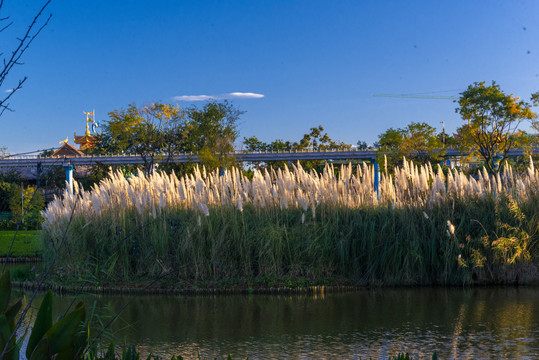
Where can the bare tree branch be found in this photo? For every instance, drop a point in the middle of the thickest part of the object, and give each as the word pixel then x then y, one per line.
pixel 24 42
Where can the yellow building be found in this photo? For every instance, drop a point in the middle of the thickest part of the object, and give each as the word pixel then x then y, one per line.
pixel 87 141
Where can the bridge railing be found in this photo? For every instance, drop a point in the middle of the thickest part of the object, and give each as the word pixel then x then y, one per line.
pixel 116 159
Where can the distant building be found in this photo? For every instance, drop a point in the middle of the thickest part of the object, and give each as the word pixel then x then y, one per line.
pixel 67 150
pixel 89 139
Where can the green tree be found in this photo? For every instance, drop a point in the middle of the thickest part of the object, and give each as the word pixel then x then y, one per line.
pixel 252 144
pixel 362 145
pixel 5 195
pixel 447 140
pixel 280 145
pixel 26 205
pixel 492 124
pixel 211 131
pixel 155 132
pixel 417 141
pixel 535 98
pixel 10 175
pixel 535 102
pixel 316 140
pixel 389 144
pixel 144 131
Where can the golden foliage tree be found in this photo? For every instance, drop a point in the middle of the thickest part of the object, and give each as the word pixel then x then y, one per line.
pixel 492 120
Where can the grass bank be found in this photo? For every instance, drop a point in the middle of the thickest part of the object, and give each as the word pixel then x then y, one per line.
pixel 426 228
pixel 28 244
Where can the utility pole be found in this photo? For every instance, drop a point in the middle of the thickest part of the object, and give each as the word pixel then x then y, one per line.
pixel 443 132
pixel 22 203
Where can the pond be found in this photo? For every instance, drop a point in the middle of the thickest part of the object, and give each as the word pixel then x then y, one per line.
pixel 455 322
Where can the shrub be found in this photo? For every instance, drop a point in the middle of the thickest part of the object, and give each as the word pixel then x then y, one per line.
pixel 26 206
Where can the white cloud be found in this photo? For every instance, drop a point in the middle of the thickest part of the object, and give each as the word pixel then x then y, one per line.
pixel 8 91
pixel 232 95
pixel 193 98
pixel 239 95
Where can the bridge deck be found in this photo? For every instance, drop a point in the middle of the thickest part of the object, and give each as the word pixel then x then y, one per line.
pixel 189 157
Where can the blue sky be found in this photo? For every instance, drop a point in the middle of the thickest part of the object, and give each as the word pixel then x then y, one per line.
pixel 314 62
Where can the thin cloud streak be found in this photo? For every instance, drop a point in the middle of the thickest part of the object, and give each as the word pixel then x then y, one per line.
pixel 232 95
pixel 193 98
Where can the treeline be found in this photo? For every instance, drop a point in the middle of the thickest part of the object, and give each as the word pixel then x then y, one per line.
pixel 20 205
pixel 491 127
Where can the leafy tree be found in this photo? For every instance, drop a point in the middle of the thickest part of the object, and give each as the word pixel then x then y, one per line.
pixel 362 145
pixel 535 102
pixel 389 143
pixel 10 175
pixel 26 205
pixel 417 141
pixel 492 122
pixel 314 140
pixel 95 174
pixel 210 131
pixel 535 98
pixel 47 153
pixel 317 140
pixel 252 144
pixel 447 140
pixel 5 194
pixel 52 177
pixel 280 145
pixel 155 132
pixel 144 131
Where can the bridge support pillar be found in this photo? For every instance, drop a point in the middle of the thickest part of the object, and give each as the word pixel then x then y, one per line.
pixel 69 176
pixel 497 160
pixel 376 178
pixel 38 175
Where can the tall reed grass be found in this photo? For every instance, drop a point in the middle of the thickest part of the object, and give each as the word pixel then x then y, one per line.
pixel 425 227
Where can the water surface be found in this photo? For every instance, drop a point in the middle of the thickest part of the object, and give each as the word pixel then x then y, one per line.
pixel 457 323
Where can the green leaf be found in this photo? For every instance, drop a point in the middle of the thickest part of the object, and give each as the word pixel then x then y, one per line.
pixel 4 332
pixel 5 290
pixel 11 312
pixel 130 353
pixel 42 350
pixel 67 354
pixel 42 324
pixel 62 334
pixel 110 355
pixel 12 352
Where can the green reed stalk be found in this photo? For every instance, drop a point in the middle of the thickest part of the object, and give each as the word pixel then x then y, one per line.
pixel 426 229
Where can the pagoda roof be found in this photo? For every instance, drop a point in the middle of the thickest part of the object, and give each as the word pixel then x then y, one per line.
pixel 67 150
pixel 84 139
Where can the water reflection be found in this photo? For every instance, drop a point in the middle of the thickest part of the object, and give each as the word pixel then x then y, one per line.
pixel 475 323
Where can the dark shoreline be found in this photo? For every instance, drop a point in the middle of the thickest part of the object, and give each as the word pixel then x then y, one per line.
pixel 106 290
pixel 242 290
pixel 21 260
pixel 523 276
